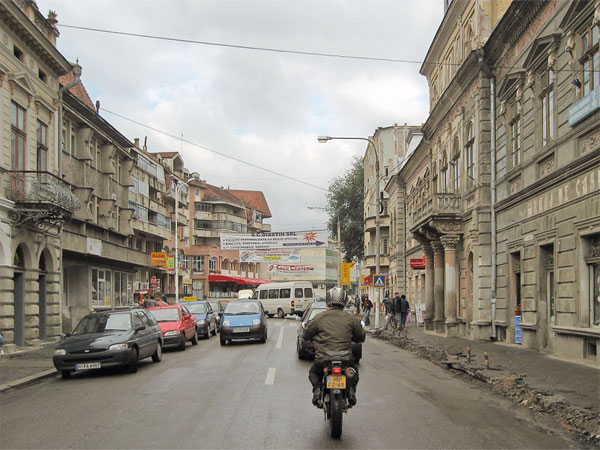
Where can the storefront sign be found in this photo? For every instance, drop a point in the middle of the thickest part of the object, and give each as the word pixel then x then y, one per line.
pixel 267 241
pixel 584 107
pixel 277 268
pixel 158 259
pixel 187 281
pixel 274 256
pixel 191 298
pixel 170 263
pixel 417 263
pixel 93 246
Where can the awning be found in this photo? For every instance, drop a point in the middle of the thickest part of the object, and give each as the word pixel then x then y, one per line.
pixel 237 280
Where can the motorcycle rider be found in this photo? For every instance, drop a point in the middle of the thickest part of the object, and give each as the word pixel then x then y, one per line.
pixel 333 330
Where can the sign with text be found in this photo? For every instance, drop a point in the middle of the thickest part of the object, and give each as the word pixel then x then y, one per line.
pixel 417 263
pixel 584 107
pixel 420 313
pixel 278 268
pixel 346 273
pixel 158 259
pixel 93 246
pixel 274 256
pixel 273 240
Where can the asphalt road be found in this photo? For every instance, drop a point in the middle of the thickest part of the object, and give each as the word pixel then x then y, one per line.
pixel 253 395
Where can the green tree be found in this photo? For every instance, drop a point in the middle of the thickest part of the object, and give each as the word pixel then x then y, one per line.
pixel 345 200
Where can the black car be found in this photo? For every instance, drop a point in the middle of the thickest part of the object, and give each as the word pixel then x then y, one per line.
pixel 306 349
pixel 108 339
pixel 206 318
pixel 217 308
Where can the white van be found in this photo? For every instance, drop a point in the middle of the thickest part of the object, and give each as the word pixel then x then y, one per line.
pixel 245 293
pixel 285 298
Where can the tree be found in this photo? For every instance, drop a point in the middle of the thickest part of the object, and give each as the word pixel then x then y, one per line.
pixel 345 200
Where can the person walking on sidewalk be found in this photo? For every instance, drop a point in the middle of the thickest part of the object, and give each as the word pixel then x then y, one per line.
pixel 404 309
pixel 357 304
pixel 396 308
pixel 389 311
pixel 367 305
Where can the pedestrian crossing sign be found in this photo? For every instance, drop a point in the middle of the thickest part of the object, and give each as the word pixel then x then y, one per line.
pixel 379 281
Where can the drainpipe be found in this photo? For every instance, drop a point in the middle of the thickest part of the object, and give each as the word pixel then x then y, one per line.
pixel 493 200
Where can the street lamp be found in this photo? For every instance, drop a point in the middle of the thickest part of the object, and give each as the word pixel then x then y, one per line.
pixel 178 185
pixel 324 140
pixel 339 243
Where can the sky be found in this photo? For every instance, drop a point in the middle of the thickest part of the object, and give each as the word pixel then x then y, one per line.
pixel 265 108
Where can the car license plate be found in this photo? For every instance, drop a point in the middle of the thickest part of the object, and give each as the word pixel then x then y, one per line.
pixel 336 382
pixel 82 366
pixel 241 330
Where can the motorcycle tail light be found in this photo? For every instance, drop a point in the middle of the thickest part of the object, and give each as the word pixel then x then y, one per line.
pixel 337 370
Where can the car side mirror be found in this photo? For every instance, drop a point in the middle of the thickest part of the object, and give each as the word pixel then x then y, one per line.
pixel 140 328
pixel 187 317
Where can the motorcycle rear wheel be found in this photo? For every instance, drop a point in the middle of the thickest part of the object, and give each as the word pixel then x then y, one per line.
pixel 336 415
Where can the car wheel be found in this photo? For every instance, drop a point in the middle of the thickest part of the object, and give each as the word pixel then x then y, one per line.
pixel 214 331
pixel 207 335
pixel 157 355
pixel 182 343
pixel 270 315
pixel 264 338
pixel 132 367
pixel 195 337
pixel 223 341
pixel 65 374
pixel 280 313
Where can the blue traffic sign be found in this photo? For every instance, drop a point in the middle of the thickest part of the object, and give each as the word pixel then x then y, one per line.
pixel 379 281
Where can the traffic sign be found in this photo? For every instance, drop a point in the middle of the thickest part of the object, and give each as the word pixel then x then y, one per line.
pixel 379 281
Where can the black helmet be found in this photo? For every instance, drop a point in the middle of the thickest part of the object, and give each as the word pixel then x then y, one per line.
pixel 336 297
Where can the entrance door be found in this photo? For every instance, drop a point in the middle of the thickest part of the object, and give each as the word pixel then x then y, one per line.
pixel 42 306
pixel 19 321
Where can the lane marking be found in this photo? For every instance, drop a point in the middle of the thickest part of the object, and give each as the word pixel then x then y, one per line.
pixel 279 339
pixel 270 376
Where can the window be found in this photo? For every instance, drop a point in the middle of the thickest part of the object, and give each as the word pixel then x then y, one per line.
pixel 204 207
pixel 548 286
pixel 444 173
pixel 198 263
pixel 264 294
pixel 385 246
pixel 590 61
pixel 123 289
pixel 456 172
pixel 42 75
pixel 547 99
pixel 308 293
pixel 186 262
pixel 212 265
pixel 285 293
pixel 42 147
pixel 17 136
pixel 470 155
pixel 515 134
pixel 18 53
pixel 595 269
pixel 101 288
pixel 298 292
pixel 273 293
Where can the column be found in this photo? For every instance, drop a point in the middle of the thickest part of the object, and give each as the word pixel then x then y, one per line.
pixel 438 284
pixel 429 287
pixel 449 242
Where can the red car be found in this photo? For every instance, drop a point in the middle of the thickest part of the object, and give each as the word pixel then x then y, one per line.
pixel 177 325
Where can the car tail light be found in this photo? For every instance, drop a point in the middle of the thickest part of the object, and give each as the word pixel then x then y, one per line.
pixel 337 370
pixel 292 303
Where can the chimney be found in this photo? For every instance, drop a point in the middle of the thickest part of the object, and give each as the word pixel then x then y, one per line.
pixel 136 141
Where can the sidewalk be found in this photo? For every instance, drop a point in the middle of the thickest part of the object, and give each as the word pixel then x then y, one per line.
pixel 26 366
pixel 568 391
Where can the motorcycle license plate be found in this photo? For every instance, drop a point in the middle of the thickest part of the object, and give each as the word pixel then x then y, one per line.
pixel 336 382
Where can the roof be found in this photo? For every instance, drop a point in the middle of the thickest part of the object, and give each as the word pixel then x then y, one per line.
pixel 254 199
pixel 78 90
pixel 167 154
pixel 213 193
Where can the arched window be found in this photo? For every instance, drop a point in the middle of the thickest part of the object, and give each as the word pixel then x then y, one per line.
pixel 212 265
pixel 225 265
pixel 470 154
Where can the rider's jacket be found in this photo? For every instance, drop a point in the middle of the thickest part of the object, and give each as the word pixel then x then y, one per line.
pixel 334 330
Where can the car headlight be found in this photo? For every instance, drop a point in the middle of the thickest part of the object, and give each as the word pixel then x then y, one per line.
pixel 115 347
pixel 256 322
pixel 201 322
pixel 172 333
pixel 226 323
pixel 60 352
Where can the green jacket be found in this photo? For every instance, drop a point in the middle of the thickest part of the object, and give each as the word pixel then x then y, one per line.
pixel 334 330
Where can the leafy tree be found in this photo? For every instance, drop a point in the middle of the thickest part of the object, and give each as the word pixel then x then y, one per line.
pixel 345 200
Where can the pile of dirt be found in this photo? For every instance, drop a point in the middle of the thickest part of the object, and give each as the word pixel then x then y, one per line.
pixel 583 423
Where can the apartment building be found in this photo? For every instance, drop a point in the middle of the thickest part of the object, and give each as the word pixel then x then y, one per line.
pixel 34 200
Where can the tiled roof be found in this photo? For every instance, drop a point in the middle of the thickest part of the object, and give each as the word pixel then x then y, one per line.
pixel 78 90
pixel 254 199
pixel 213 193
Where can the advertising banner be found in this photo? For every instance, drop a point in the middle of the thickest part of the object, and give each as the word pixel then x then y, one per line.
pixel 274 240
pixel 346 273
pixel 420 313
pixel 275 256
pixel 158 258
pixel 278 268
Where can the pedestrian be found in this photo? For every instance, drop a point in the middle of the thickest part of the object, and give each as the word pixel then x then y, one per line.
pixel 404 309
pixel 396 308
pixel 367 305
pixel 389 311
pixel 149 302
pixel 357 304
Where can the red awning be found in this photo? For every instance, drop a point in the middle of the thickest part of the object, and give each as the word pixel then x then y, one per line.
pixel 237 280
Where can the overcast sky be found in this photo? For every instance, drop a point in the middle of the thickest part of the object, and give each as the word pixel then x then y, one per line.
pixel 266 108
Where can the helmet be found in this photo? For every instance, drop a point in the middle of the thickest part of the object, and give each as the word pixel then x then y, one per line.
pixel 336 297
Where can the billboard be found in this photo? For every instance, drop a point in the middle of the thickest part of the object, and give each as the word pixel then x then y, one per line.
pixel 275 256
pixel 273 240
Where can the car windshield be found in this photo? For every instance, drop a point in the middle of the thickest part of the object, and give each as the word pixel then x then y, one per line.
pixel 237 308
pixel 198 308
pixel 103 322
pixel 215 306
pixel 165 314
pixel 314 312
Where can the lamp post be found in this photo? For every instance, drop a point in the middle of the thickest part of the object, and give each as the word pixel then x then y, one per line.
pixel 324 140
pixel 339 243
pixel 178 185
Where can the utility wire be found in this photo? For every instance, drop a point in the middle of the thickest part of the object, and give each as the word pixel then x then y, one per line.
pixel 203 147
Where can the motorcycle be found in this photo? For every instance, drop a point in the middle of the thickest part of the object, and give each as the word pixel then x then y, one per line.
pixel 338 379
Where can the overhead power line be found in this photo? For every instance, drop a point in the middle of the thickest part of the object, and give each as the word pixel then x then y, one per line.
pixel 224 155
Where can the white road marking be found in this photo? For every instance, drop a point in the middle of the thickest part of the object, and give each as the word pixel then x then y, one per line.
pixel 279 339
pixel 271 376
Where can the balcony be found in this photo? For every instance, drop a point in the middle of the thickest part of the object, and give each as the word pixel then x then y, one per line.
pixel 443 205
pixel 42 200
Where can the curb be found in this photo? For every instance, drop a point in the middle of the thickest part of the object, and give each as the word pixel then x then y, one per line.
pixel 28 380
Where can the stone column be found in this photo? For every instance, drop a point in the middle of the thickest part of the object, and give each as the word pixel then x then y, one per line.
pixel 438 285
pixel 429 287
pixel 449 242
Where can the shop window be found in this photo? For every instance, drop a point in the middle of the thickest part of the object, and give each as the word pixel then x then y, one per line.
pixel 101 288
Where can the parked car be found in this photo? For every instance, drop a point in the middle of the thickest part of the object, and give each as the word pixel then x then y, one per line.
pixel 306 349
pixel 108 339
pixel 243 319
pixel 177 325
pixel 206 319
pixel 217 307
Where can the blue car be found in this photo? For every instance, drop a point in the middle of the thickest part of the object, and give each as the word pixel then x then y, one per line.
pixel 243 319
pixel 206 318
